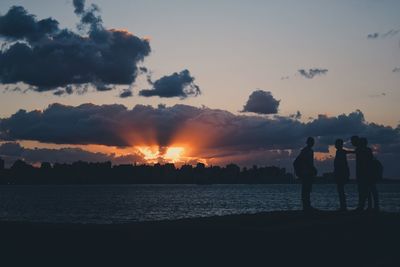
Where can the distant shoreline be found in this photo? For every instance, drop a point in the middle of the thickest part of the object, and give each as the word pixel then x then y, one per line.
pixel 81 172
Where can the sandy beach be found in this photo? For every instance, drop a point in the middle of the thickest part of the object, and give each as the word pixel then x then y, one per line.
pixel 264 239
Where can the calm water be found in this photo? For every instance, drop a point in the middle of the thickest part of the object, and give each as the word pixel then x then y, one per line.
pixel 127 203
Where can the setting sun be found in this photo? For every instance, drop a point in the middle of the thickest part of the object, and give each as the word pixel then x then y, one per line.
pixel 149 153
pixel 174 154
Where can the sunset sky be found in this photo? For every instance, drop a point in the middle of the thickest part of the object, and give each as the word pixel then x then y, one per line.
pixel 238 81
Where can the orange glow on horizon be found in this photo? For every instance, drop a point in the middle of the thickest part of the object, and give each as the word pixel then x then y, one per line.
pixel 150 154
pixel 174 154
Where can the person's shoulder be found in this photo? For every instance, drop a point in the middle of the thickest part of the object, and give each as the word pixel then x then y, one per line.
pixel 305 149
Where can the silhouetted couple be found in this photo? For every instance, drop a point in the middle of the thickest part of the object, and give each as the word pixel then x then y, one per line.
pixel 368 171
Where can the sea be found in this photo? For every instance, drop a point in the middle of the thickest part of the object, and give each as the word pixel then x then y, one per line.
pixel 110 204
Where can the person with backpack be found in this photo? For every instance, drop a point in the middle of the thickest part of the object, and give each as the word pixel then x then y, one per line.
pixel 341 172
pixel 306 171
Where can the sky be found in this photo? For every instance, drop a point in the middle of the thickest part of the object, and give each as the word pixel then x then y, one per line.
pixel 315 57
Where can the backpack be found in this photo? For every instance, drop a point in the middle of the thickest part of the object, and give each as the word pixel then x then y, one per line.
pixel 298 165
pixel 377 169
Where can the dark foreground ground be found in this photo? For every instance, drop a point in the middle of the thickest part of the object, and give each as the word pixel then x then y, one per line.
pixel 265 239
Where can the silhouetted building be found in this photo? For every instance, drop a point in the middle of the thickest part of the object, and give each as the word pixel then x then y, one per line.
pixel 20 165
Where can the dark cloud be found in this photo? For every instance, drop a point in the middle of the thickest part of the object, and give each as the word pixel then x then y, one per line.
pixel 17 24
pixel 211 133
pixel 397 69
pixel 261 102
pixel 330 128
pixel 89 17
pixel 311 73
pixel 112 125
pixel 68 90
pixel 377 95
pixel 391 33
pixel 46 58
pixel 377 35
pixel 374 35
pixel 13 151
pixel 296 116
pixel 176 85
pixel 115 125
pixel 126 93
pixel 79 6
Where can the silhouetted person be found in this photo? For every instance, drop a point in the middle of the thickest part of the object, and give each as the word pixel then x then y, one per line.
pixel 364 159
pixel 306 171
pixel 341 172
pixel 368 168
pixel 355 141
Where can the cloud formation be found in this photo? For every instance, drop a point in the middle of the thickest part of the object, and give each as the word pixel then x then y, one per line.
pixel 12 151
pixel 397 69
pixel 115 125
pixel 311 73
pixel 212 134
pixel 261 102
pixel 296 116
pixel 377 35
pixel 45 57
pixel 374 35
pixel 175 85
pixel 17 24
pixel 377 95
pixel 126 93
pixel 79 6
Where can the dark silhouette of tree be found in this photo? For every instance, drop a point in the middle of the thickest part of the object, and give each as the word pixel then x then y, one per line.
pixel 81 172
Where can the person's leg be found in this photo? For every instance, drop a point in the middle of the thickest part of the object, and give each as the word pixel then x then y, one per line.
pixel 362 195
pixel 375 195
pixel 359 189
pixel 305 194
pixel 342 196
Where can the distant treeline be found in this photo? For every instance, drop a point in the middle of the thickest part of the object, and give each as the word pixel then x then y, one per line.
pixel 105 173
pixel 81 172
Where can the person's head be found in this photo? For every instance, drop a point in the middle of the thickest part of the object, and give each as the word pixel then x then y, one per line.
pixel 310 142
pixel 339 143
pixel 363 142
pixel 355 140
